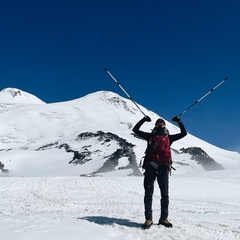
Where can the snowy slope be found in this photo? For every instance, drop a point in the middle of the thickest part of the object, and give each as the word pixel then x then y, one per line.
pixel 92 133
pixel 14 95
pixel 47 146
pixel 110 208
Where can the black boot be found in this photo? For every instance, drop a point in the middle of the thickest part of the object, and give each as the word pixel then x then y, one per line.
pixel 165 223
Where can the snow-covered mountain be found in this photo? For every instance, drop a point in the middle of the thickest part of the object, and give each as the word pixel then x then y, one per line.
pixel 52 144
pixel 14 95
pixel 91 135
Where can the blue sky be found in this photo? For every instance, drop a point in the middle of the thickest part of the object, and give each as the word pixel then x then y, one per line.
pixel 166 54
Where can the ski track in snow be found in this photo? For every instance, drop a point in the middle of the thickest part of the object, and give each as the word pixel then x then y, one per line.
pixel 104 208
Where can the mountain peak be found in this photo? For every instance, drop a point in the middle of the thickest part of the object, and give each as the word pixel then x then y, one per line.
pixel 114 100
pixel 14 95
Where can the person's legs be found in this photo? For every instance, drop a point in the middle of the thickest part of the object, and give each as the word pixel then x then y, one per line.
pixel 149 178
pixel 162 178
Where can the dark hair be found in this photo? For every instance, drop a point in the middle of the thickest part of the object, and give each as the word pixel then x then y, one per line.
pixel 160 120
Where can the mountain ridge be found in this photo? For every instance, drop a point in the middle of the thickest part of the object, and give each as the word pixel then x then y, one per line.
pixel 59 132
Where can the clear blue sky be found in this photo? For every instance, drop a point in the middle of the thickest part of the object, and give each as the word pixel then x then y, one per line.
pixel 166 54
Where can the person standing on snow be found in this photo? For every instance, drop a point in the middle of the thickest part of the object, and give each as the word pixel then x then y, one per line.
pixel 157 165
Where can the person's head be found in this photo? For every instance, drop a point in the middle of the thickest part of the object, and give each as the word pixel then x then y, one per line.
pixel 160 128
pixel 160 123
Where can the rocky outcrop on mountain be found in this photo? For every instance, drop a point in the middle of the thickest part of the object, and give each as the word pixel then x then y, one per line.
pixel 118 102
pixel 111 149
pixel 199 155
pixel 87 152
pixel 124 149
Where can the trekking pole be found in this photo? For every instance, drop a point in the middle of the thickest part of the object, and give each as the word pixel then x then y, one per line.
pixel 115 80
pixel 200 99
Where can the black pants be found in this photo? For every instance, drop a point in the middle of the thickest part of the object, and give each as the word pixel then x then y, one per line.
pixel 151 175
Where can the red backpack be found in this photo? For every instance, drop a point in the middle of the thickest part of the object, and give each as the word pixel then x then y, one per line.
pixel 158 151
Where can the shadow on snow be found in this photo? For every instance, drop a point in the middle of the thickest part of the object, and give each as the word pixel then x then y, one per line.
pixel 109 221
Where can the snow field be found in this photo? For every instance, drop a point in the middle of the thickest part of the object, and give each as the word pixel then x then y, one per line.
pixel 203 207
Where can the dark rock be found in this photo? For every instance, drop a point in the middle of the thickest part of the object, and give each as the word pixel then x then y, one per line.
pixel 199 155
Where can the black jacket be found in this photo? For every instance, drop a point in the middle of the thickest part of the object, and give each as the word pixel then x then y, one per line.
pixel 148 135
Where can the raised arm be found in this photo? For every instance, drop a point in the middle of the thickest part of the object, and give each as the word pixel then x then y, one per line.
pixel 136 128
pixel 180 135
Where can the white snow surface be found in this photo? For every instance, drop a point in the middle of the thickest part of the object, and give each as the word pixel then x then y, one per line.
pixel 14 95
pixel 202 206
pixel 44 197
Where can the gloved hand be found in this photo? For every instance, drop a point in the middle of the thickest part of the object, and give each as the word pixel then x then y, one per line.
pixel 176 119
pixel 147 119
